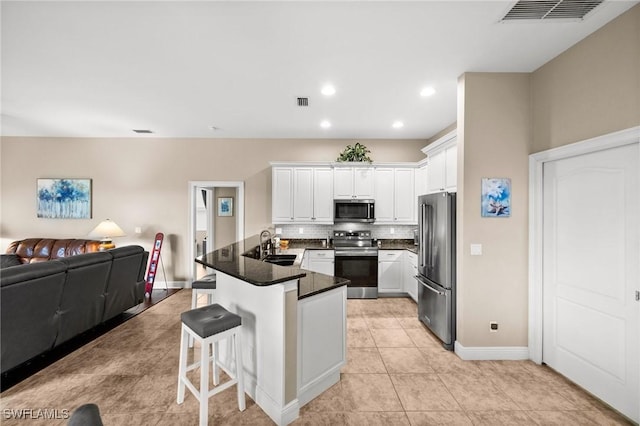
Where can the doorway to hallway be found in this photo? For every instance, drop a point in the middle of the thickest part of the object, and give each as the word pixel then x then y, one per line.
pixel 216 217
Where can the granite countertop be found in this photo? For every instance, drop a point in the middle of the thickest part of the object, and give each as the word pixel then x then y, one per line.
pixel 398 245
pixel 230 260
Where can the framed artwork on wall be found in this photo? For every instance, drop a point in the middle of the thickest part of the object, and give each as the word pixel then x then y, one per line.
pixel 225 206
pixel 496 197
pixel 64 198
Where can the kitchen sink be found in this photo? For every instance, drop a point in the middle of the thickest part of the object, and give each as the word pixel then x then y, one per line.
pixel 280 259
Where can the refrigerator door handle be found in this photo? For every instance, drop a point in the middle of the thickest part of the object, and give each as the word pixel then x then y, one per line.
pixel 431 234
pixel 421 241
pixel 428 287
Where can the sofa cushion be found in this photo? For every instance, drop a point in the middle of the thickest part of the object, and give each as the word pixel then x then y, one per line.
pixel 82 304
pixel 33 250
pixel 7 260
pixel 29 316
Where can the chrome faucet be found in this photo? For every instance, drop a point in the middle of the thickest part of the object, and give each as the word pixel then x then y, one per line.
pixel 264 248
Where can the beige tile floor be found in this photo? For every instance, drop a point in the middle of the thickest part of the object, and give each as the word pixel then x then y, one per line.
pixel 396 374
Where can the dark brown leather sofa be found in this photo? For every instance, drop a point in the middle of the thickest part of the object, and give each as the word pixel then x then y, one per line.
pixel 43 249
pixel 44 304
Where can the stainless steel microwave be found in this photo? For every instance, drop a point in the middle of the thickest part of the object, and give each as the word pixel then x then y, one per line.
pixel 354 211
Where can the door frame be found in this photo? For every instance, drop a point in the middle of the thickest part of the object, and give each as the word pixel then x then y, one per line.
pixel 194 188
pixel 536 164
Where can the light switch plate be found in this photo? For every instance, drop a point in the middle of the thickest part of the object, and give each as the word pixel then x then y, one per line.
pixel 476 249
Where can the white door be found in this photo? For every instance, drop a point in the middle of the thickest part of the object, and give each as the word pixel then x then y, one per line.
pixel 591 273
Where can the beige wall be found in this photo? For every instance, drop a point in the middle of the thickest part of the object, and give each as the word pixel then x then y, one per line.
pixel 144 181
pixel 592 88
pixel 495 119
pixel 225 226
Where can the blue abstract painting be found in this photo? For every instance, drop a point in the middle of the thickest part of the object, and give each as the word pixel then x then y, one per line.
pixel 496 197
pixel 64 198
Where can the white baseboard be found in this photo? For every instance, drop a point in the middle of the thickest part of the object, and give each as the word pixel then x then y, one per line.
pixel 319 385
pixel 169 284
pixel 491 353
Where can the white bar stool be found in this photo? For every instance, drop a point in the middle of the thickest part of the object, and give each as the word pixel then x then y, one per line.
pixel 208 325
pixel 205 285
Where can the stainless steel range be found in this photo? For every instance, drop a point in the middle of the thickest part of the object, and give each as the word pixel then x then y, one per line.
pixel 356 258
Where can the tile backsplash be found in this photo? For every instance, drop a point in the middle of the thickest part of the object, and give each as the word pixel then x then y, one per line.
pixel 321 231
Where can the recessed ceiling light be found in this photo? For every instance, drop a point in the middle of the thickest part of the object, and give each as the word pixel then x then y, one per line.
pixel 427 91
pixel 325 124
pixel 328 90
pixel 397 124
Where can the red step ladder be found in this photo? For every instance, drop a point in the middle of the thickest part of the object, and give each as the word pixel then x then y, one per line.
pixel 152 270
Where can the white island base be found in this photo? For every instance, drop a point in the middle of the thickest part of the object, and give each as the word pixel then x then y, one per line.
pixel 293 349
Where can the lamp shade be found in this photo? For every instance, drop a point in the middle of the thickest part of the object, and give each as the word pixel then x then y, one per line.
pixel 107 229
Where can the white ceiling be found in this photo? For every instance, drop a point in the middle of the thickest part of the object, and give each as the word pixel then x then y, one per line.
pixel 101 69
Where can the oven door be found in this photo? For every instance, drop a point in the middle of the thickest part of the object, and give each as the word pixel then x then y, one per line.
pixel 361 270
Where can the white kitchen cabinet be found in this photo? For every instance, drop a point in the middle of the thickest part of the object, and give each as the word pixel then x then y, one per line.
pixel 395 195
pixel 421 180
pixel 321 261
pixel 384 194
pixel 302 195
pixel 353 182
pixel 451 168
pixel 405 201
pixel 322 195
pixel 282 195
pixel 410 271
pixel 390 271
pixel 442 167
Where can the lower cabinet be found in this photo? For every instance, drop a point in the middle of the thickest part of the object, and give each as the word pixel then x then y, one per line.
pixel 321 261
pixel 390 271
pixel 410 271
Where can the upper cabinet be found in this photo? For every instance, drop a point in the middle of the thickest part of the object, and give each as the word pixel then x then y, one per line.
pixel 394 195
pixel 421 178
pixel 302 195
pixel 282 194
pixel 442 167
pixel 353 183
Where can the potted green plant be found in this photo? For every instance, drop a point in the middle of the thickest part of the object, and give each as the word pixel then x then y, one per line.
pixel 355 153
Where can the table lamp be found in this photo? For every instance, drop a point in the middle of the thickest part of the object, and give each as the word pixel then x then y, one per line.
pixel 106 230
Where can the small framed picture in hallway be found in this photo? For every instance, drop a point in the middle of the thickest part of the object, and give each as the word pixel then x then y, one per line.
pixel 225 206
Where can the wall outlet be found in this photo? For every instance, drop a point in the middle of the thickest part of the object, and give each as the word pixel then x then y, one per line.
pixel 279 231
pixel 493 326
pixel 392 231
pixel 300 230
pixel 138 230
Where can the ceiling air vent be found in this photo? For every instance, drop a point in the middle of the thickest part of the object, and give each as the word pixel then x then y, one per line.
pixel 142 131
pixel 303 102
pixel 551 9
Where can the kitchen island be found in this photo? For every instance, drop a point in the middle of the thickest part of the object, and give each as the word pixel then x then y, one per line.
pixel 294 327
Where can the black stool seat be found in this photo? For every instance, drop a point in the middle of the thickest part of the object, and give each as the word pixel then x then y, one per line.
pixel 208 282
pixel 210 320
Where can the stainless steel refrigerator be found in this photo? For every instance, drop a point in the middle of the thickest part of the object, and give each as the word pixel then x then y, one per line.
pixel 437 265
